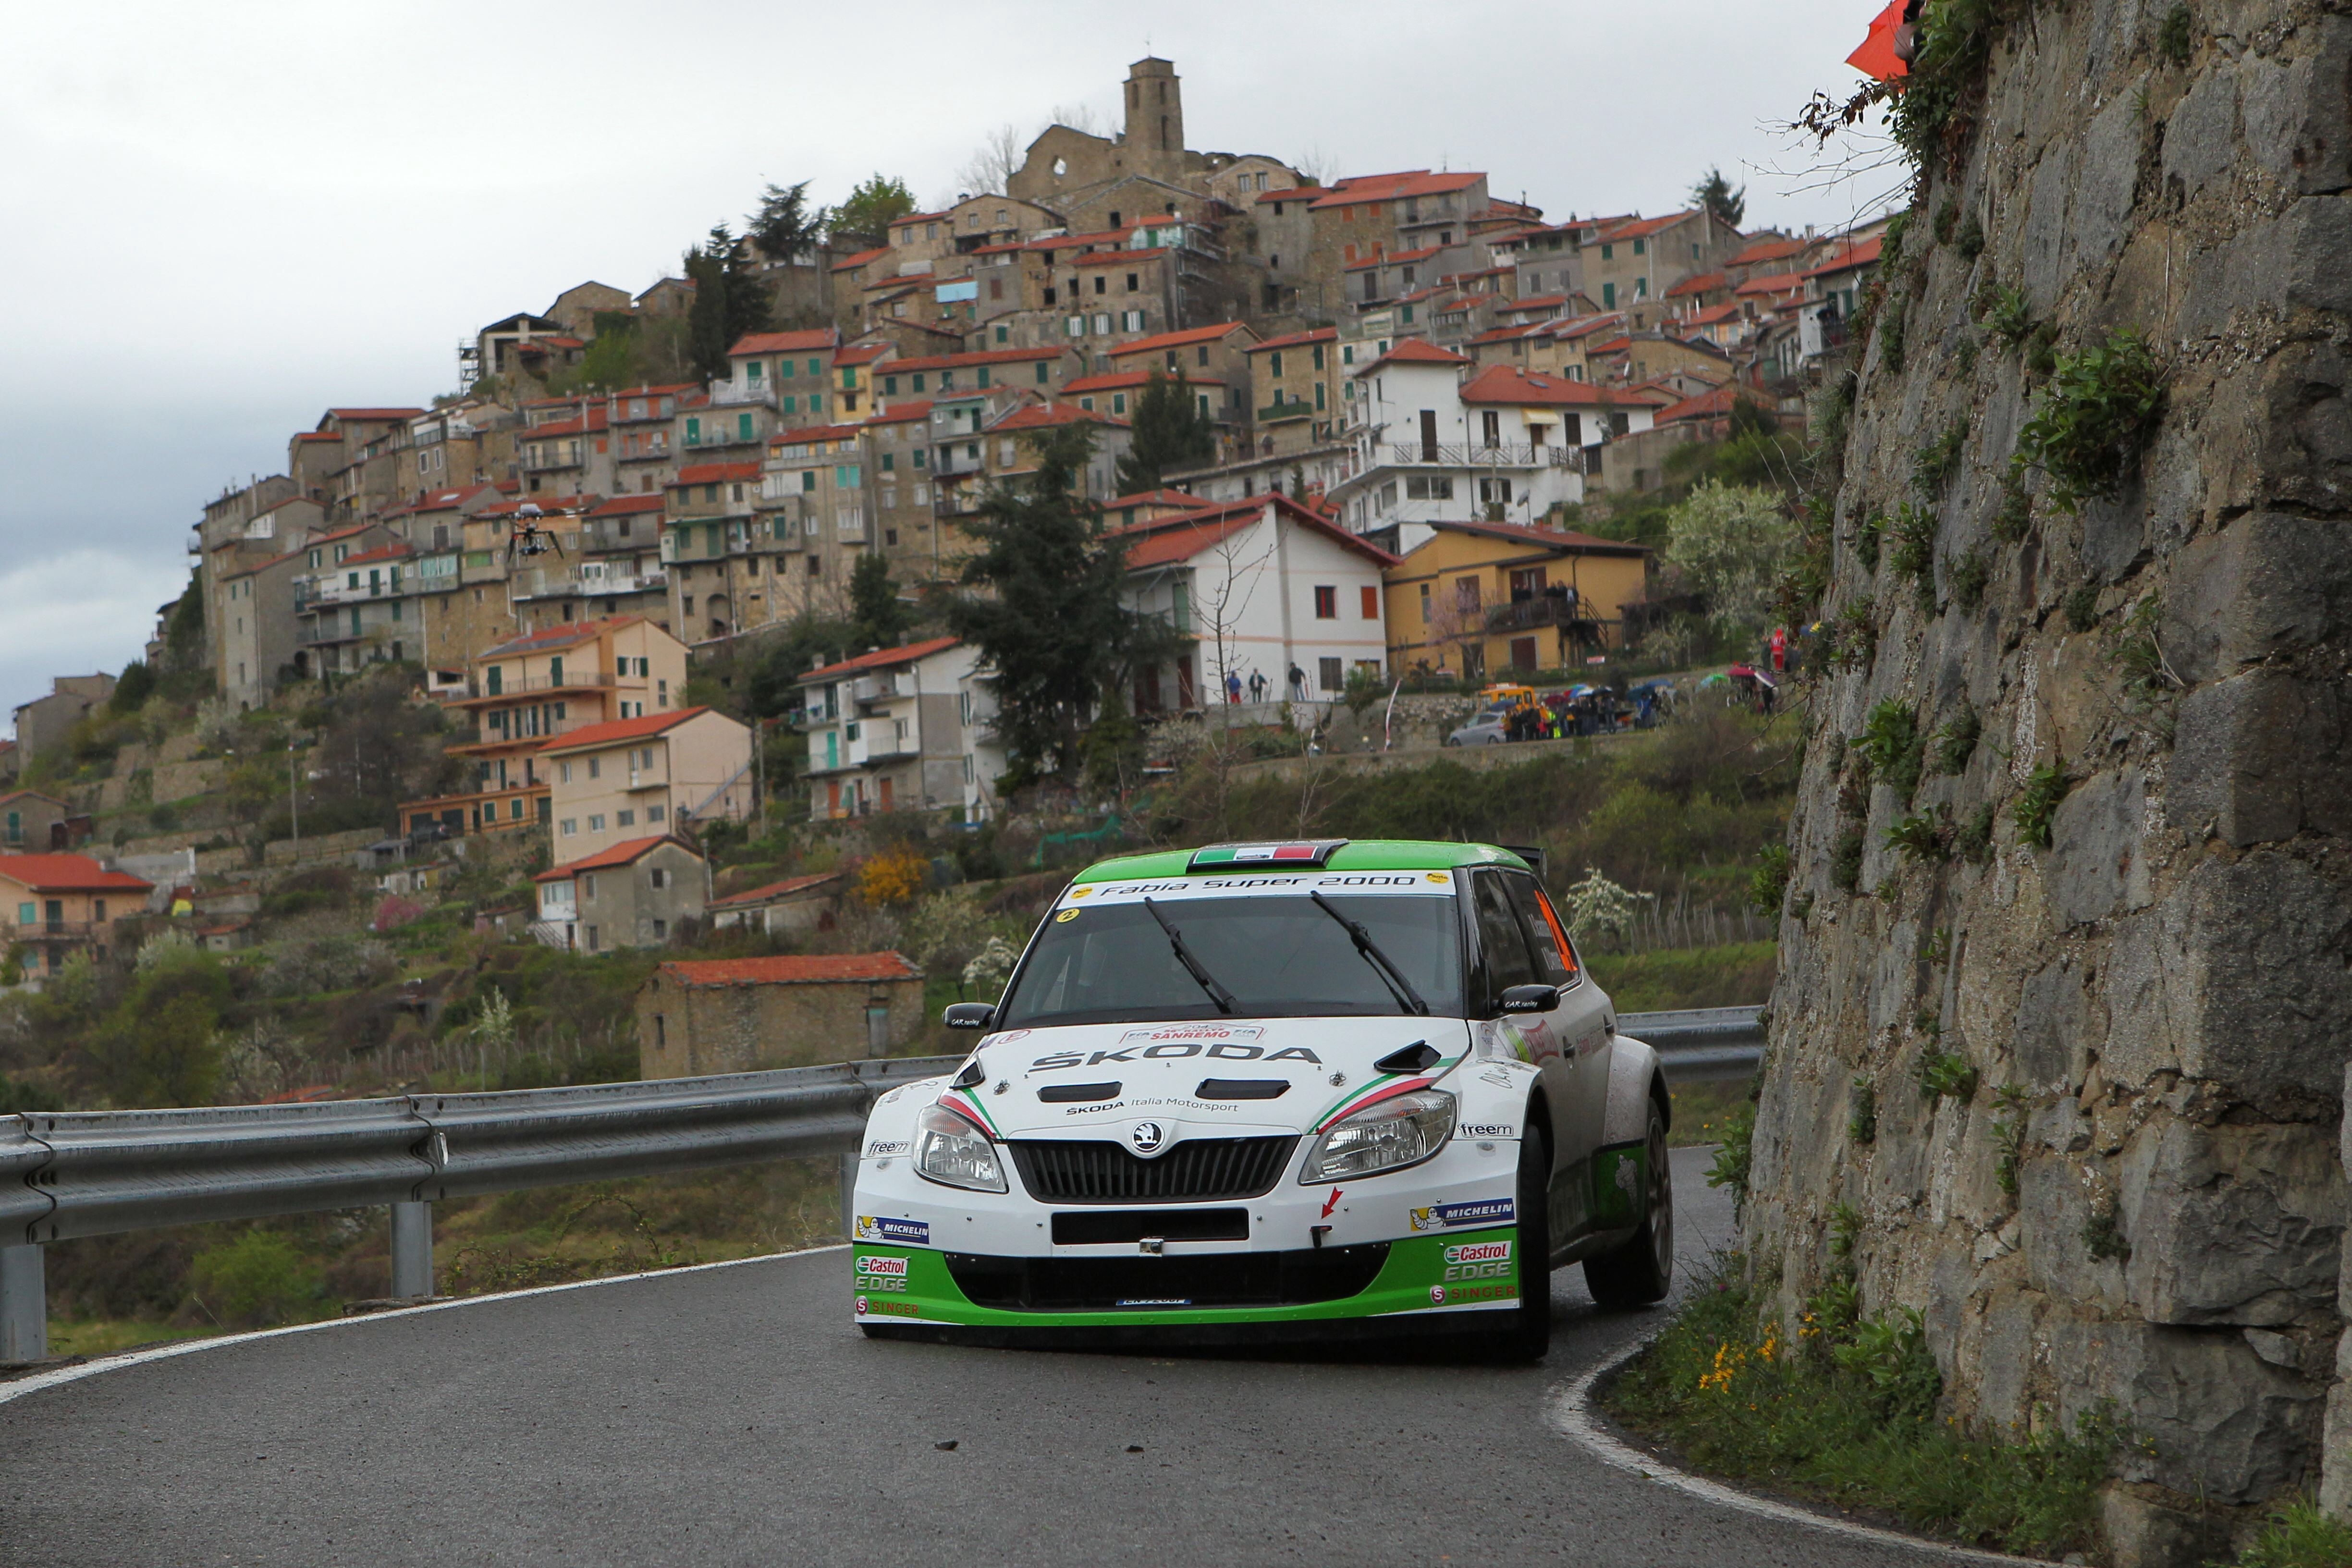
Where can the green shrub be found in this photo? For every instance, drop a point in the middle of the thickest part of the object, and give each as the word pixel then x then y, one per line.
pixel 2014 518
pixel 2174 39
pixel 2037 803
pixel 1913 556
pixel 1891 743
pixel 1769 885
pixel 1864 540
pixel 1920 838
pixel 259 1277
pixel 2298 1535
pixel 1964 356
pixel 1955 740
pixel 2042 349
pixel 1948 221
pixel 2008 1135
pixel 1973 841
pixel 1732 1156
pixel 2103 1233
pixel 1971 240
pixel 2091 423
pixel 1854 637
pixel 1946 1074
pixel 18 1095
pixel 1968 577
pixel 2082 608
pixel 2007 313
pixel 1845 860
pixel 1890 1356
pixel 1890 336
pixel 1934 464
pixel 1955 40
pixel 1862 1122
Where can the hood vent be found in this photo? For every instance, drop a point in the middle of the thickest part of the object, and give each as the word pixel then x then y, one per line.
pixel 1242 1088
pixel 1060 1093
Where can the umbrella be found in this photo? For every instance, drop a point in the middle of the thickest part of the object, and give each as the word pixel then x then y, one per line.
pixel 1876 58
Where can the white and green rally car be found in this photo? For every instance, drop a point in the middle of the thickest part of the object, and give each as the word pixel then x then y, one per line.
pixel 1275 1091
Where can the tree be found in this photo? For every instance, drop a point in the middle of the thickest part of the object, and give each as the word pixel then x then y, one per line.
pixel 132 688
pixel 1714 194
pixel 992 162
pixel 785 224
pixel 1170 432
pixel 730 300
pixel 1048 622
pixel 875 203
pixel 1731 544
pixel 879 617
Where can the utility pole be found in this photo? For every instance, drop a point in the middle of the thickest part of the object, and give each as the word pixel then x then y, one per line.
pixel 294 797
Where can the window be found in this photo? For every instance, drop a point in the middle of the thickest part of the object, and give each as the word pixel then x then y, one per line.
pixel 1607 253
pixel 595 825
pixel 1490 427
pixel 1326 603
pixel 1494 490
pixel 1275 368
pixel 1118 402
pixel 1638 245
pixel 568 826
pixel 1045 370
pixel 657 877
pixel 655 812
pixel 563 773
pixel 592 938
pixel 1372 601
pixel 1608 295
pixel 1503 953
pixel 625 819
pixel 1429 487
pixel 1424 603
pixel 1328 672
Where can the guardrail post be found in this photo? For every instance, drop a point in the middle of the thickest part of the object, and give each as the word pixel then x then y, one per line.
pixel 24 1304
pixel 849 1196
pixel 412 1249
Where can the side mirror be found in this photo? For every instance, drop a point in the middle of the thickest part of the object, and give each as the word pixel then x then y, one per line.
pixel 1529 999
pixel 981 1014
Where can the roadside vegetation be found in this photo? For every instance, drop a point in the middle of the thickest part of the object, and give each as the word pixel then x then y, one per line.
pixel 1843 1411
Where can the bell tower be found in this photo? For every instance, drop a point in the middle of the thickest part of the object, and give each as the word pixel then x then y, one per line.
pixel 1155 118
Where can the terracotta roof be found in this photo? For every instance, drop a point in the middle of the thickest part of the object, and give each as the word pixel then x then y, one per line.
pixel 372 414
pixel 882 657
pixel 903 412
pixel 1241 513
pixel 1709 316
pixel 1415 351
pixel 1700 284
pixel 605 734
pixel 627 506
pixel 1766 250
pixel 1313 335
pixel 594 419
pixel 919 217
pixel 1291 193
pixel 1642 227
pixel 318 436
pixel 1183 541
pixel 1115 258
pixel 1161 497
pixel 1044 416
pixel 1362 188
pixel 1066 241
pixel 1179 340
pixel 786 343
pixel 808 433
pixel 620 854
pixel 784 888
pixel 1773 283
pixel 715 473
pixel 1712 404
pixel 565 636
pixel 1534 303
pixel 1863 255
pixel 866 353
pixel 66 874
pixel 6 746
pixel 849 262
pixel 1509 385
pixel 792 969
pixel 380 552
pixel 1585 326
pixel 983 356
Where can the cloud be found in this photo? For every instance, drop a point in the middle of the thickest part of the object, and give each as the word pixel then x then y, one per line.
pixel 76 612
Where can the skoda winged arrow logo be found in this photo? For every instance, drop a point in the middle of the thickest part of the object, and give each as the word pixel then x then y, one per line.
pixel 1146 1137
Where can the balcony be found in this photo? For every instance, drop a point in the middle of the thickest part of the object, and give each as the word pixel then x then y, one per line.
pixel 584 680
pixel 485 740
pixel 551 461
pixel 731 393
pixel 722 435
pixel 1442 454
pixel 1278 413
pixel 315 592
pixel 1543 610
pixel 869 689
pixel 58 930
pixel 646 448
pixel 581 582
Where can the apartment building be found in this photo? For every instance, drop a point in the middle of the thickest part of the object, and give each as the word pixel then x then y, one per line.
pixel 1295 392
pixel 526 694
pixel 663 772
pixel 1261 588
pixel 1640 259
pixel 642 421
pixel 65 904
pixel 1218 351
pixel 813 502
pixel 788 374
pixel 1476 599
pixel 641 892
pixel 706 550
pixel 896 730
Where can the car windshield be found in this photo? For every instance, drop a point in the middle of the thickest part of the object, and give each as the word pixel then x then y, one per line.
pixel 1278 956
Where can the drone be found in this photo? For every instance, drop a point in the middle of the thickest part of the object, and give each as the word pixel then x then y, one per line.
pixel 528 538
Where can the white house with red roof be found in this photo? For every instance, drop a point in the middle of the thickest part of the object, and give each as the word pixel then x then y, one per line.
pixel 640 892
pixel 900 729
pixel 1261 592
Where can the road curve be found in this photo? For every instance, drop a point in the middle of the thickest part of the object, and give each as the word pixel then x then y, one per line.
pixel 734 1416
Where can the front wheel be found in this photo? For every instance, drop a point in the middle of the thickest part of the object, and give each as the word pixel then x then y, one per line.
pixel 1527 1335
pixel 1641 1270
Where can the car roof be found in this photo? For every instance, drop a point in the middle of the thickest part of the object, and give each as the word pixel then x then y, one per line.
pixel 1361 854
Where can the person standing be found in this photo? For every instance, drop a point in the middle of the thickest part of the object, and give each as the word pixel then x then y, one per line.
pixel 1232 686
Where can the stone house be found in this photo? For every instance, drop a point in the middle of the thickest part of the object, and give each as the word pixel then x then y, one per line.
pixel 31 822
pixel 898 457
pixel 705 550
pixel 813 515
pixel 796 903
pixel 1642 259
pixel 743 1015
pixel 659 772
pixel 642 420
pixel 638 893
pixel 787 373
pixel 1295 391
pixel 1220 350
pixel 1365 215
pixel 42 723
pixel 360 611
pixel 571 456
pixel 1474 599
pixel 64 904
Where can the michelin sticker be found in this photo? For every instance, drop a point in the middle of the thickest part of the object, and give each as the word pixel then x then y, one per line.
pixel 870 1228
pixel 1454 1216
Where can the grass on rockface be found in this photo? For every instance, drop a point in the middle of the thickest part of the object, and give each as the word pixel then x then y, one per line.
pixel 1735 974
pixel 1709 1111
pixel 1844 1416
pixel 110 1336
pixel 2300 1536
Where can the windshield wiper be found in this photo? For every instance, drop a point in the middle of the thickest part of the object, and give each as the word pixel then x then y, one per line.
pixel 1217 994
pixel 1383 965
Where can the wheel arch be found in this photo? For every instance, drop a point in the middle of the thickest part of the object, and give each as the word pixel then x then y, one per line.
pixel 1636 1080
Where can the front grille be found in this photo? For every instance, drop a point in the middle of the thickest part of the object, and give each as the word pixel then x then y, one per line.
pixel 1140 1283
pixel 1198 1170
pixel 1110 1227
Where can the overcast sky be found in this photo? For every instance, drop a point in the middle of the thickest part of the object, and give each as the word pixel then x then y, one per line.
pixel 220 219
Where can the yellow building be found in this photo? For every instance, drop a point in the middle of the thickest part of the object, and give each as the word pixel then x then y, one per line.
pixel 1472 599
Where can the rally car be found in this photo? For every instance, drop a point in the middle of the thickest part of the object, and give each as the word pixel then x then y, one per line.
pixel 1266 1091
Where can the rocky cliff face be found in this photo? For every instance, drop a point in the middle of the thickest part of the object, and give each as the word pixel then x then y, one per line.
pixel 2131 1190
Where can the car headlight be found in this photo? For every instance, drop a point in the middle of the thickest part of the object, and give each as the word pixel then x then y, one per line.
pixel 949 1148
pixel 1403 1130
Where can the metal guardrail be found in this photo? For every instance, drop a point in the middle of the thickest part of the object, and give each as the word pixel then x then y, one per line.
pixel 70 1174
pixel 67 1175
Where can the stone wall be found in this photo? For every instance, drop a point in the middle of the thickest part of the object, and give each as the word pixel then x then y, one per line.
pixel 2140 1203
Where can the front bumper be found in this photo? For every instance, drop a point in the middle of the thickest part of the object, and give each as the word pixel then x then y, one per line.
pixel 1430 1249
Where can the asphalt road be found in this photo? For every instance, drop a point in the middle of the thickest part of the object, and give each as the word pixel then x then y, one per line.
pixel 736 1417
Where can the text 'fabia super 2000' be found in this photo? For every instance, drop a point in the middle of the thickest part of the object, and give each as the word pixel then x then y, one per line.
pixel 1275 1090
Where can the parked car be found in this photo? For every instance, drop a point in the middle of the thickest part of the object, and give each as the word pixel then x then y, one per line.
pixel 1306 1091
pixel 1491 728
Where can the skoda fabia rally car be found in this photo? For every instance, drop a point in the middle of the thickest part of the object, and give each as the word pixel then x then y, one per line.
pixel 1275 1090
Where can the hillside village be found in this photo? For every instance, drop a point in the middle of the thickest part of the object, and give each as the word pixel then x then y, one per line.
pixel 641 636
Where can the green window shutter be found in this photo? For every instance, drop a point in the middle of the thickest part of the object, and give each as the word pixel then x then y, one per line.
pixel 848 377
pixel 1408 315
pixel 815 367
pixel 1608 294
pixel 693 430
pixel 1045 368
pixel 808 478
pixel 1319 397
pixel 711 537
pixel 890 384
pixel 983 376
pixel 1318 356
pixel 744 427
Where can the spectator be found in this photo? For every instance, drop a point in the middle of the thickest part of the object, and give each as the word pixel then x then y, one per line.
pixel 1232 686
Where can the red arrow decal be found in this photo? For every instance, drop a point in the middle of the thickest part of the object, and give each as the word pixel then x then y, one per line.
pixel 1330 1203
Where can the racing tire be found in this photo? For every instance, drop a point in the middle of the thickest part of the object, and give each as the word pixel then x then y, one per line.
pixel 1528 1335
pixel 1640 1271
